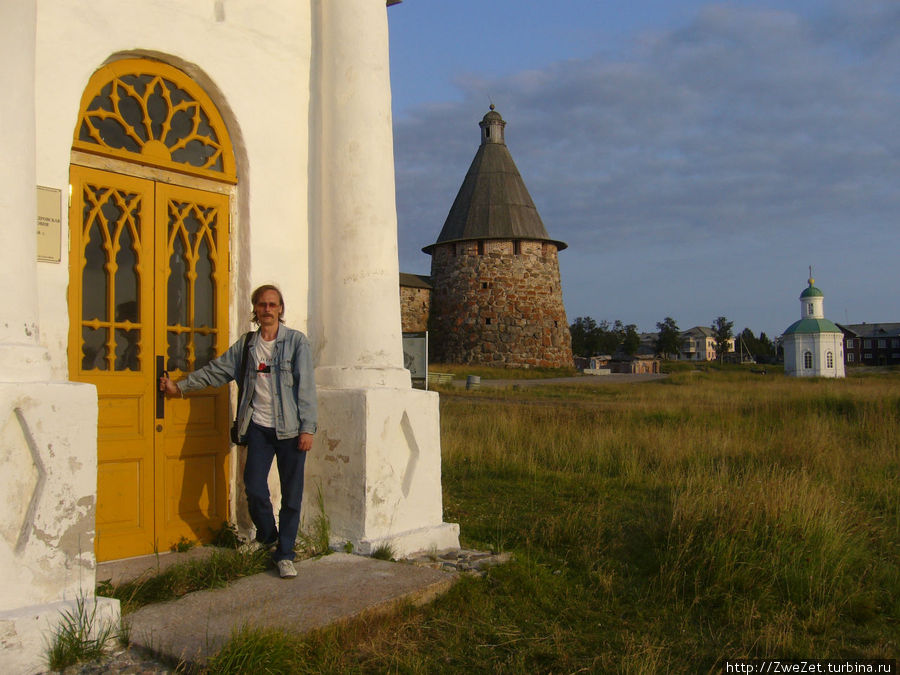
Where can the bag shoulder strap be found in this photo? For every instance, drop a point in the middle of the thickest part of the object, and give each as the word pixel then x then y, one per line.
pixel 244 353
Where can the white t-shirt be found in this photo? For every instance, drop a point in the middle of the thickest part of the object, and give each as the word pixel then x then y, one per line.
pixel 263 399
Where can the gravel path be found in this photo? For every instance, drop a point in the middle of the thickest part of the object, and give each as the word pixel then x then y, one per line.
pixel 121 660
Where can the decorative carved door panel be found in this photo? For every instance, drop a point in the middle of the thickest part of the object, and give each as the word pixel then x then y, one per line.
pixel 148 292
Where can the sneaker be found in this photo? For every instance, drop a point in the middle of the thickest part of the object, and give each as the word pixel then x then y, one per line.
pixel 254 546
pixel 286 569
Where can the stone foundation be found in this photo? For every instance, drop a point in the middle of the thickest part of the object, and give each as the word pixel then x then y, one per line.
pixel 377 467
pixel 48 451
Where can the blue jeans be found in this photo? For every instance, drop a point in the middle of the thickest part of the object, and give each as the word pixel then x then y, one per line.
pixel 262 447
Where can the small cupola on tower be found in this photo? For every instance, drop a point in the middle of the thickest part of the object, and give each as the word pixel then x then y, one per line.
pixel 812 301
pixel 492 125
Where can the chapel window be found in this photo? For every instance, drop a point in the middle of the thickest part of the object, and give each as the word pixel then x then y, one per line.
pixel 807 360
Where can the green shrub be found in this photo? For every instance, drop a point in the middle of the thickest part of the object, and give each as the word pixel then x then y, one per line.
pixel 78 637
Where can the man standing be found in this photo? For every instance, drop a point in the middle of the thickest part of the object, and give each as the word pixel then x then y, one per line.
pixel 276 416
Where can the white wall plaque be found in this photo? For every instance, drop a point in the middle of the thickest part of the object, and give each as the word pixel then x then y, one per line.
pixel 49 214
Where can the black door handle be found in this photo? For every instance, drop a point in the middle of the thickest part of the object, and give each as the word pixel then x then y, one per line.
pixel 160 394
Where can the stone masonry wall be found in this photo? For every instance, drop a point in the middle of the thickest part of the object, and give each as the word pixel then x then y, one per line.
pixel 495 305
pixel 414 308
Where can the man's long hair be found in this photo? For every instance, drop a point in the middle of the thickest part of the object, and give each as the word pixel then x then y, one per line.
pixel 254 297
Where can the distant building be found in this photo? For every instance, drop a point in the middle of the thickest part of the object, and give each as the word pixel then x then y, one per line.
pixel 871 344
pixel 415 302
pixel 813 346
pixel 639 364
pixel 699 344
pixel 497 295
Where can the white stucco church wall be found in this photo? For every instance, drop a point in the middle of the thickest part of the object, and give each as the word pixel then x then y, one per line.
pixel 303 88
pixel 256 67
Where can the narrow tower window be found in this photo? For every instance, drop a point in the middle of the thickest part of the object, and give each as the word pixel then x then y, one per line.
pixel 829 360
pixel 807 359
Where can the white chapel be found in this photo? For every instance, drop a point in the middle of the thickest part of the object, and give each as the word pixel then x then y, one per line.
pixel 813 346
pixel 161 159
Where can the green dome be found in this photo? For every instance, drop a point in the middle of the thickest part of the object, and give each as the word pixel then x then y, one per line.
pixel 812 291
pixel 807 326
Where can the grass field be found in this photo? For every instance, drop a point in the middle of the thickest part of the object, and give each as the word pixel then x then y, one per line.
pixel 487 372
pixel 656 527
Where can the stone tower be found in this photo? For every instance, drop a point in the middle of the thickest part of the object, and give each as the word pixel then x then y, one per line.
pixel 497 296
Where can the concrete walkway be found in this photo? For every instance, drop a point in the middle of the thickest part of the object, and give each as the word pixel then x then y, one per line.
pixel 326 590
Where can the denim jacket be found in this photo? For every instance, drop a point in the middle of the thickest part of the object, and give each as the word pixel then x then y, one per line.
pixel 295 385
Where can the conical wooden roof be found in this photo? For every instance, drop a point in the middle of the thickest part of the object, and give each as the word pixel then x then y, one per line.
pixel 493 202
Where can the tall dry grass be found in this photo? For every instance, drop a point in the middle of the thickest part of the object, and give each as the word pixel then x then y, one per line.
pixel 657 527
pixel 767 506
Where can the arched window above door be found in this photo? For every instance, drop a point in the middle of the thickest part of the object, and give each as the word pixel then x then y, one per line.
pixel 152 113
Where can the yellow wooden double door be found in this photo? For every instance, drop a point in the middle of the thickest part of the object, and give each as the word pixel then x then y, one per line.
pixel 149 293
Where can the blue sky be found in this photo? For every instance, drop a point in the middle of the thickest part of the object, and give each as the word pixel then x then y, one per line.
pixel 696 156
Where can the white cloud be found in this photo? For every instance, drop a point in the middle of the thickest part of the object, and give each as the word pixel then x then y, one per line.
pixel 745 125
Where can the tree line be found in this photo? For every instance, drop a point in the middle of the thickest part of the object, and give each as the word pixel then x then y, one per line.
pixel 590 338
